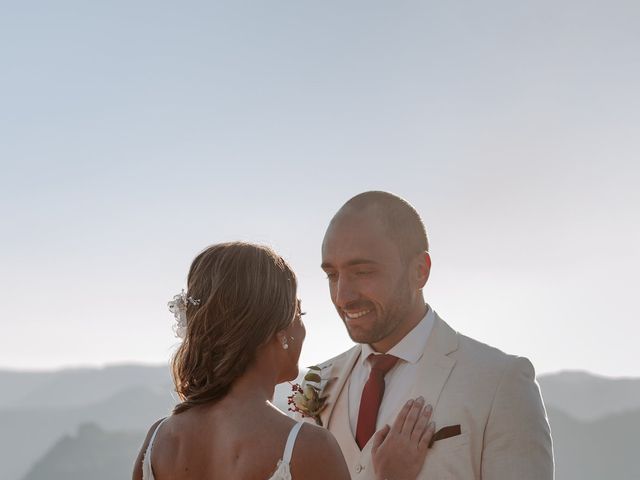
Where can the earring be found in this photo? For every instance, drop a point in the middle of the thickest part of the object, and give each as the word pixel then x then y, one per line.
pixel 285 345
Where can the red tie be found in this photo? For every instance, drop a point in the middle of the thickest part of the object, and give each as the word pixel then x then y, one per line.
pixel 372 397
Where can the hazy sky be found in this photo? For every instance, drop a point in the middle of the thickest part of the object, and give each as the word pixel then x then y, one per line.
pixel 134 134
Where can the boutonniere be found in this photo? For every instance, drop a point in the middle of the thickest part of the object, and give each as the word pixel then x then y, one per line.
pixel 307 399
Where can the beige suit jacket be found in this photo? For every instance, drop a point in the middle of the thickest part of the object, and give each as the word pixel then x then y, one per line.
pixel 492 395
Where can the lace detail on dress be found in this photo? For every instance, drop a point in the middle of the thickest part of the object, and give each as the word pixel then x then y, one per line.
pixel 283 471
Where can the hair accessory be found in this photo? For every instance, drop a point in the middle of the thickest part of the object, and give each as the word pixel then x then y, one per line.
pixel 178 306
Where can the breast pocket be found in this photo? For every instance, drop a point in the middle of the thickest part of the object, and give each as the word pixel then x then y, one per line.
pixel 451 442
pixel 449 459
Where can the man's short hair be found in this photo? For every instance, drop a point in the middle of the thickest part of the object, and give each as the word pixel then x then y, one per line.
pixel 402 221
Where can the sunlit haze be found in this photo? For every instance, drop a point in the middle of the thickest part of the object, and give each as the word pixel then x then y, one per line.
pixel 136 134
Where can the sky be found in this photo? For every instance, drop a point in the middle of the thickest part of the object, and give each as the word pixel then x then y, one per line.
pixel 133 135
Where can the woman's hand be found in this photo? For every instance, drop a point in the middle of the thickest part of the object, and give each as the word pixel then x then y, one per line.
pixel 399 451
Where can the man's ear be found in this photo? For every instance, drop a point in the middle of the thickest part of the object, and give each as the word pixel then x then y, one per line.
pixel 422 269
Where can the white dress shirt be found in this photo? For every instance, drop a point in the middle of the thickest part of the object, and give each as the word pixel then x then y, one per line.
pixel 398 381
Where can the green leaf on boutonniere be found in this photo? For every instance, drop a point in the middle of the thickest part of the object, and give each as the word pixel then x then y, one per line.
pixel 312 377
pixel 308 399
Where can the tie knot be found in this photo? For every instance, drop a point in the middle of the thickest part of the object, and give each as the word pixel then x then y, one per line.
pixel 382 363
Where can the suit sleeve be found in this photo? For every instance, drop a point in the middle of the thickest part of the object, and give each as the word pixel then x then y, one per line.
pixel 517 439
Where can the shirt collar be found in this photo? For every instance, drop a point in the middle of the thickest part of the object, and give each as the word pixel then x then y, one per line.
pixel 411 347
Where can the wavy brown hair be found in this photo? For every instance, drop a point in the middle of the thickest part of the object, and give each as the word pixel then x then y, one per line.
pixel 247 293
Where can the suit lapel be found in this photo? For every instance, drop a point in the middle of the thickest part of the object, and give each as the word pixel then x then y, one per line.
pixel 434 368
pixel 435 365
pixel 340 372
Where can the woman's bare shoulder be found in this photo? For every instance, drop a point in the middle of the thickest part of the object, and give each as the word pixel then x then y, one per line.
pixel 317 455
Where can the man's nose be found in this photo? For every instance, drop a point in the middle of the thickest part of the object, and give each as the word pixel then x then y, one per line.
pixel 344 293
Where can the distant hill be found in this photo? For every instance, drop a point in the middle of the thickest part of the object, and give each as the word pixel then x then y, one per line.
pixel 16 384
pixel 25 390
pixel 91 454
pixel 27 434
pixel 585 396
pixel 598 450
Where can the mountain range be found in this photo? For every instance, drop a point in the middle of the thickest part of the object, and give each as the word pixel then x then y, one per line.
pixel 66 423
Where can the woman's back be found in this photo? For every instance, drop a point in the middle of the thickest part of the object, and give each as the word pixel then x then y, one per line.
pixel 230 441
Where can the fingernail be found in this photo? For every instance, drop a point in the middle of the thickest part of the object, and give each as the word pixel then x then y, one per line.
pixel 428 408
pixel 410 402
pixel 420 399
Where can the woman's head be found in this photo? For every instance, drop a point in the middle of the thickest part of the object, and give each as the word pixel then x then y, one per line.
pixel 247 295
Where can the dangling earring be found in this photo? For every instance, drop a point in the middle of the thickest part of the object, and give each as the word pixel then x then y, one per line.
pixel 285 345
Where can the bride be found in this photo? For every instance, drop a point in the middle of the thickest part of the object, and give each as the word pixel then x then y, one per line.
pixel 242 335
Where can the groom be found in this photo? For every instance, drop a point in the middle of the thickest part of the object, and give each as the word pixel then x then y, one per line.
pixel 375 255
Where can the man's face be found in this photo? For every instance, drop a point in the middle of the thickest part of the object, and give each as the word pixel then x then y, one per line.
pixel 368 282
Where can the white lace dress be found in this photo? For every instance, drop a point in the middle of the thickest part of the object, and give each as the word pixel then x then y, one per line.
pixel 282 471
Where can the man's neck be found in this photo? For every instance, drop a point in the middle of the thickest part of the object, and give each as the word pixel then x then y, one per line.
pixel 391 340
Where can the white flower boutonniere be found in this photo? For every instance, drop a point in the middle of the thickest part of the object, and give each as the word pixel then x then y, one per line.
pixel 307 399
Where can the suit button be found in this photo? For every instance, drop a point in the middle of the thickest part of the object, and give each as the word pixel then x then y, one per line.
pixel 359 468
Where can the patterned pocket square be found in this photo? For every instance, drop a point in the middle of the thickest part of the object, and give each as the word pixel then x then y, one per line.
pixel 445 432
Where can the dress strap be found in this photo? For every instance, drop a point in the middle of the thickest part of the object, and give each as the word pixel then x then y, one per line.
pixel 146 464
pixel 155 432
pixel 288 449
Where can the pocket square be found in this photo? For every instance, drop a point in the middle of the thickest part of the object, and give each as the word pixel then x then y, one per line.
pixel 445 432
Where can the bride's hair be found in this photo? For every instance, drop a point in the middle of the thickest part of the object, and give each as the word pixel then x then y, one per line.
pixel 247 293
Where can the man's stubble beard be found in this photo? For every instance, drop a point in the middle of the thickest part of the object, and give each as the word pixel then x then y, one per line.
pixel 399 306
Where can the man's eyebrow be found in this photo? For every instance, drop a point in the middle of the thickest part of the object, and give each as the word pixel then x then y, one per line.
pixel 352 263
